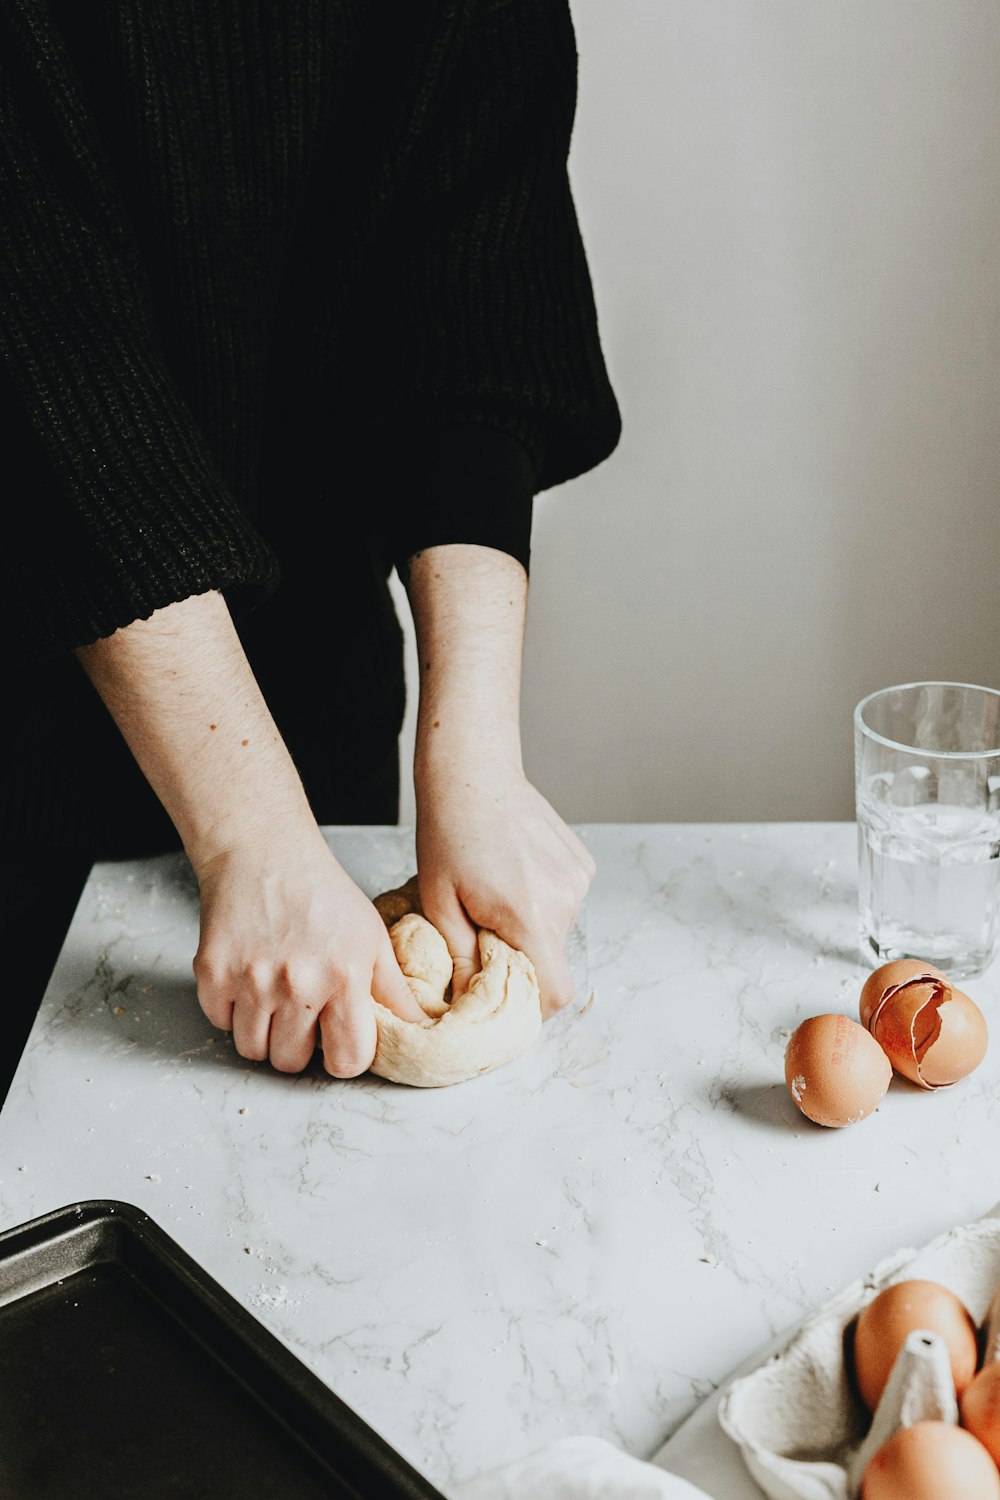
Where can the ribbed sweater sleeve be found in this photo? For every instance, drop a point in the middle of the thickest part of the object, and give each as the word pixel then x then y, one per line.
pixel 126 512
pixel 489 331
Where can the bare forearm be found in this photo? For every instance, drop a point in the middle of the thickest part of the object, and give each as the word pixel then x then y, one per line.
pixel 491 852
pixel 290 951
pixel 469 608
pixel 183 695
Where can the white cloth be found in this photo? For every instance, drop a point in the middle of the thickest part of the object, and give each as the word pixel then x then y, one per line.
pixel 578 1468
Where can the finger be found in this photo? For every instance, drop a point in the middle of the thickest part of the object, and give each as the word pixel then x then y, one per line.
pixel 214 995
pixel 216 1006
pixel 555 978
pixel 446 913
pixel 251 1029
pixel 348 1032
pixel 389 986
pixel 292 1040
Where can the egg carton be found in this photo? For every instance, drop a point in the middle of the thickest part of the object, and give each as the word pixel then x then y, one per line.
pixel 802 1431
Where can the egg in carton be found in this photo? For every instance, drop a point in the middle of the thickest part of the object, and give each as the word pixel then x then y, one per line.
pixel 803 1431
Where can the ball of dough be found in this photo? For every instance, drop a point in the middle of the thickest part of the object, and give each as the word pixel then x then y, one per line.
pixel 494 1021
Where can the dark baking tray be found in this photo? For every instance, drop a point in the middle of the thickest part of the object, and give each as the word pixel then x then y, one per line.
pixel 126 1371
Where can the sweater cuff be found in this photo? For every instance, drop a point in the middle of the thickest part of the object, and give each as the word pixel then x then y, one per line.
pixel 474 484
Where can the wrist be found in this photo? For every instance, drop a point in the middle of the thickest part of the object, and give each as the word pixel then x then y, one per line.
pixel 261 830
pixel 469 750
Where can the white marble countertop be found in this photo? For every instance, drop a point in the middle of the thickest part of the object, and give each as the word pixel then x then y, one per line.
pixel 586 1241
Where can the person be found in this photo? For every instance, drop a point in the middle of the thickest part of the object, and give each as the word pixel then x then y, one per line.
pixel 294 292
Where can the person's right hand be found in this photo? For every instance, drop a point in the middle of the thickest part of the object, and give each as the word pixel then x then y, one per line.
pixel 290 944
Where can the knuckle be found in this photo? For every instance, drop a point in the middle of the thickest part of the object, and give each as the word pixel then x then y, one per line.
pixel 208 968
pixel 517 918
pixel 542 932
pixel 258 974
pixel 283 980
pixel 350 977
pixel 296 979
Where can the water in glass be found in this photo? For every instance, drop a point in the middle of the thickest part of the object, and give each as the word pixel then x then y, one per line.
pixel 929 870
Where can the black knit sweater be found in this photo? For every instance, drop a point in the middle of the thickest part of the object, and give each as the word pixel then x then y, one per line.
pixel 290 288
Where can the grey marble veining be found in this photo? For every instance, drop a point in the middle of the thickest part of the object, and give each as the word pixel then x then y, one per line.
pixel 585 1241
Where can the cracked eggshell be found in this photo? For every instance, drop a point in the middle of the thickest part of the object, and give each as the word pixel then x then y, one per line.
pixel 835 1071
pixel 882 981
pixel 933 1034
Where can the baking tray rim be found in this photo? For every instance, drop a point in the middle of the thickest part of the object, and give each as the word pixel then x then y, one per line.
pixel 53 1246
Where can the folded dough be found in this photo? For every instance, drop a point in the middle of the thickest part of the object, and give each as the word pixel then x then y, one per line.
pixel 497 1018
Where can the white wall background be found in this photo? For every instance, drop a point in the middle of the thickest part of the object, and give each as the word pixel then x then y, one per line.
pixel 792 214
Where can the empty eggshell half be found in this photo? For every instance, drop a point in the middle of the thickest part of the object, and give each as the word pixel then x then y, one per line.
pixel 932 1033
pixel 884 981
pixel 836 1073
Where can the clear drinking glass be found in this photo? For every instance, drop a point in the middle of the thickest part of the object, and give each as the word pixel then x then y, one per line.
pixel 927 779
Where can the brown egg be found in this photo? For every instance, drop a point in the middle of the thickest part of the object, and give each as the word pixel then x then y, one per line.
pixel 980 1408
pixel 883 1325
pixel 931 1461
pixel 835 1072
pixel 888 978
pixel 931 1033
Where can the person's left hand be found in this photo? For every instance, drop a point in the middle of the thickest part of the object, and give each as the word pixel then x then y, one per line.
pixel 491 852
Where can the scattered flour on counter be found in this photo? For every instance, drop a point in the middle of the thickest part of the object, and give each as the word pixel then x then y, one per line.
pixel 271 1297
